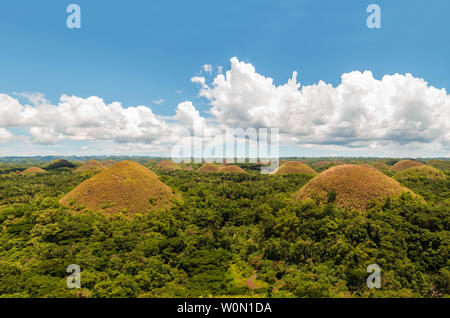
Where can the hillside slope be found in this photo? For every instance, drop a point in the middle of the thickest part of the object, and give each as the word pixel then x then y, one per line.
pixel 127 187
pixel 355 186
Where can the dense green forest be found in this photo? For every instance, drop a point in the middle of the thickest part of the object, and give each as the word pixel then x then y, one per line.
pixel 229 232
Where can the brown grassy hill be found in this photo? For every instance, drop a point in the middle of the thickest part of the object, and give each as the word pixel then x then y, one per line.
pixel 108 163
pixel 32 171
pixel 168 165
pixel 231 169
pixel 209 167
pixel 295 167
pixel 355 186
pixel 188 168
pixel 405 164
pixel 127 186
pixel 90 165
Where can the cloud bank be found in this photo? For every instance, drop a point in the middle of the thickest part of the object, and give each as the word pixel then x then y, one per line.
pixel 361 112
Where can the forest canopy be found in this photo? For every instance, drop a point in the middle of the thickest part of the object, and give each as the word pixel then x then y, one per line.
pixel 232 234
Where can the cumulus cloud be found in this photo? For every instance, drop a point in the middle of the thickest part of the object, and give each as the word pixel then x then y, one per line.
pixel 360 112
pixel 187 114
pixel 76 118
pixel 5 135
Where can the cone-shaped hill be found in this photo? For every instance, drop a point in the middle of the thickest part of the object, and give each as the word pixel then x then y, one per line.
pixel 420 173
pixel 405 164
pixel 208 168
pixel 355 186
pixel 231 169
pixel 108 163
pixel 295 167
pixel 427 181
pixel 168 165
pixel 32 171
pixel 127 187
pixel 59 163
pixel 90 165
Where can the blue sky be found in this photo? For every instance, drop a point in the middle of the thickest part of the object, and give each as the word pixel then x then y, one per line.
pixel 137 52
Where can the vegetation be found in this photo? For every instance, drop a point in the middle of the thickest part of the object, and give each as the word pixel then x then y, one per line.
pixel 233 234
pixel 443 165
pixel 429 182
pixel 58 164
pixel 381 166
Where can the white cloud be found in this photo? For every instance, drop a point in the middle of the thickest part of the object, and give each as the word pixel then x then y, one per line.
pixel 158 101
pixel 5 135
pixel 187 114
pixel 199 80
pixel 398 114
pixel 76 118
pixel 359 112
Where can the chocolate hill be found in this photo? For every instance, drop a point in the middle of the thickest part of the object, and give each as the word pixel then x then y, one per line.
pixel 420 173
pixel 90 165
pixel 355 186
pixel 59 163
pixel 108 163
pixel 295 167
pixel 231 169
pixel 208 168
pixel 125 187
pixel 405 164
pixel 32 171
pixel 168 165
